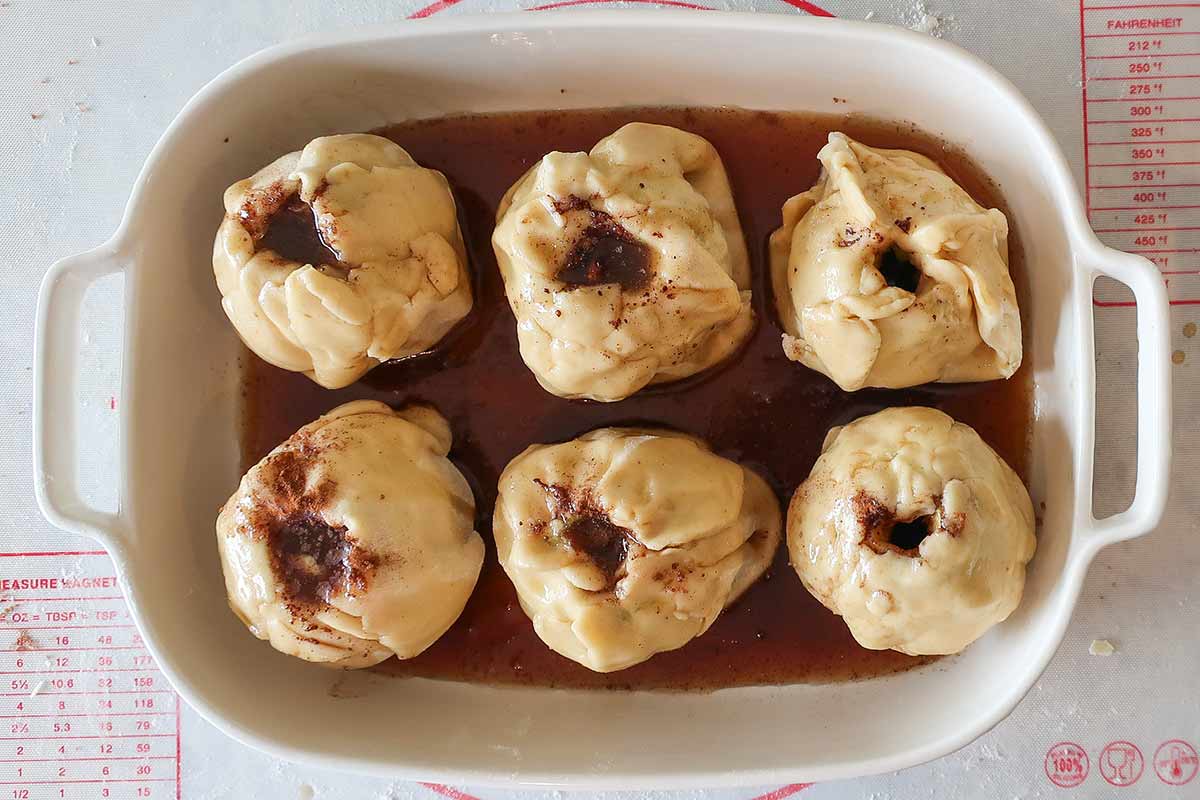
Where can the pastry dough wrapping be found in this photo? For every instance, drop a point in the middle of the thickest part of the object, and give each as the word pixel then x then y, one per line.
pixel 628 542
pixel 913 530
pixel 625 266
pixel 949 312
pixel 353 540
pixel 400 281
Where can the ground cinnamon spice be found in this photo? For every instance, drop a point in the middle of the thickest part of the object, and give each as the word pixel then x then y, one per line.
pixel 606 253
pixel 588 530
pixel 313 559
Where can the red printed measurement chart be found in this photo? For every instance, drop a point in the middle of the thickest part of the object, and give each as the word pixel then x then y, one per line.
pixel 84 711
pixel 1141 119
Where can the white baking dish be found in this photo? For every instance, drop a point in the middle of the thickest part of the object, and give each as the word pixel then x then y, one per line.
pixel 179 418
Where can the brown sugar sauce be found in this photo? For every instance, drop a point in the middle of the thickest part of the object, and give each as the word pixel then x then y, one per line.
pixel 759 408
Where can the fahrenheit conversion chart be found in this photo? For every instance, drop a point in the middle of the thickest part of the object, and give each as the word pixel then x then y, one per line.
pixel 1141 119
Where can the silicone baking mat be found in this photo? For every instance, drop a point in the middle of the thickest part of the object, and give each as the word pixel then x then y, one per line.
pixel 87 88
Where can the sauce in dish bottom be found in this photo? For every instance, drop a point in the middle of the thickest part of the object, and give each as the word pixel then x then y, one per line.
pixel 758 408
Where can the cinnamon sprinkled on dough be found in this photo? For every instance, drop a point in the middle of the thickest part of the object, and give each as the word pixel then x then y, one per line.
pixel 606 253
pixel 256 211
pixel 589 531
pixel 313 559
pixel 953 524
pixel 876 521
pixel 850 236
pixel 570 203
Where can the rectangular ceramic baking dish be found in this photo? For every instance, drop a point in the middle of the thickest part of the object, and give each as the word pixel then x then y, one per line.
pixel 179 410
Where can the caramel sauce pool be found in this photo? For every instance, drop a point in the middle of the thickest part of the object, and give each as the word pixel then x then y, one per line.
pixel 759 409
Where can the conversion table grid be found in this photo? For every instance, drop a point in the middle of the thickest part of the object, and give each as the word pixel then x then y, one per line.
pixel 1141 136
pixel 84 711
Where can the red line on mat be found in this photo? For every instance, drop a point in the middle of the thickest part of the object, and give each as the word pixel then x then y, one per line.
pixel 76 671
pixel 1131 304
pixel 73 737
pixel 1083 102
pixel 1135 35
pixel 90 780
pixel 60 553
pixel 775 794
pixel 433 8
pixel 1142 99
pixel 1142 5
pixel 73 758
pixel 1143 186
pixel 1155 55
pixel 66 627
pixel 59 599
pixel 815 10
pixel 1148 141
pixel 1145 78
pixel 1169 250
pixel 91 694
pixel 1126 122
pixel 178 754
pixel 783 791
pixel 1139 208
pixel 566 3
pixel 1150 164
pixel 448 791
pixel 98 715
pixel 104 647
pixel 1140 230
pixel 442 5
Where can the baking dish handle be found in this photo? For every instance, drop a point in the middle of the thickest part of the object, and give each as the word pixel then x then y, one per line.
pixel 55 423
pixel 1153 397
